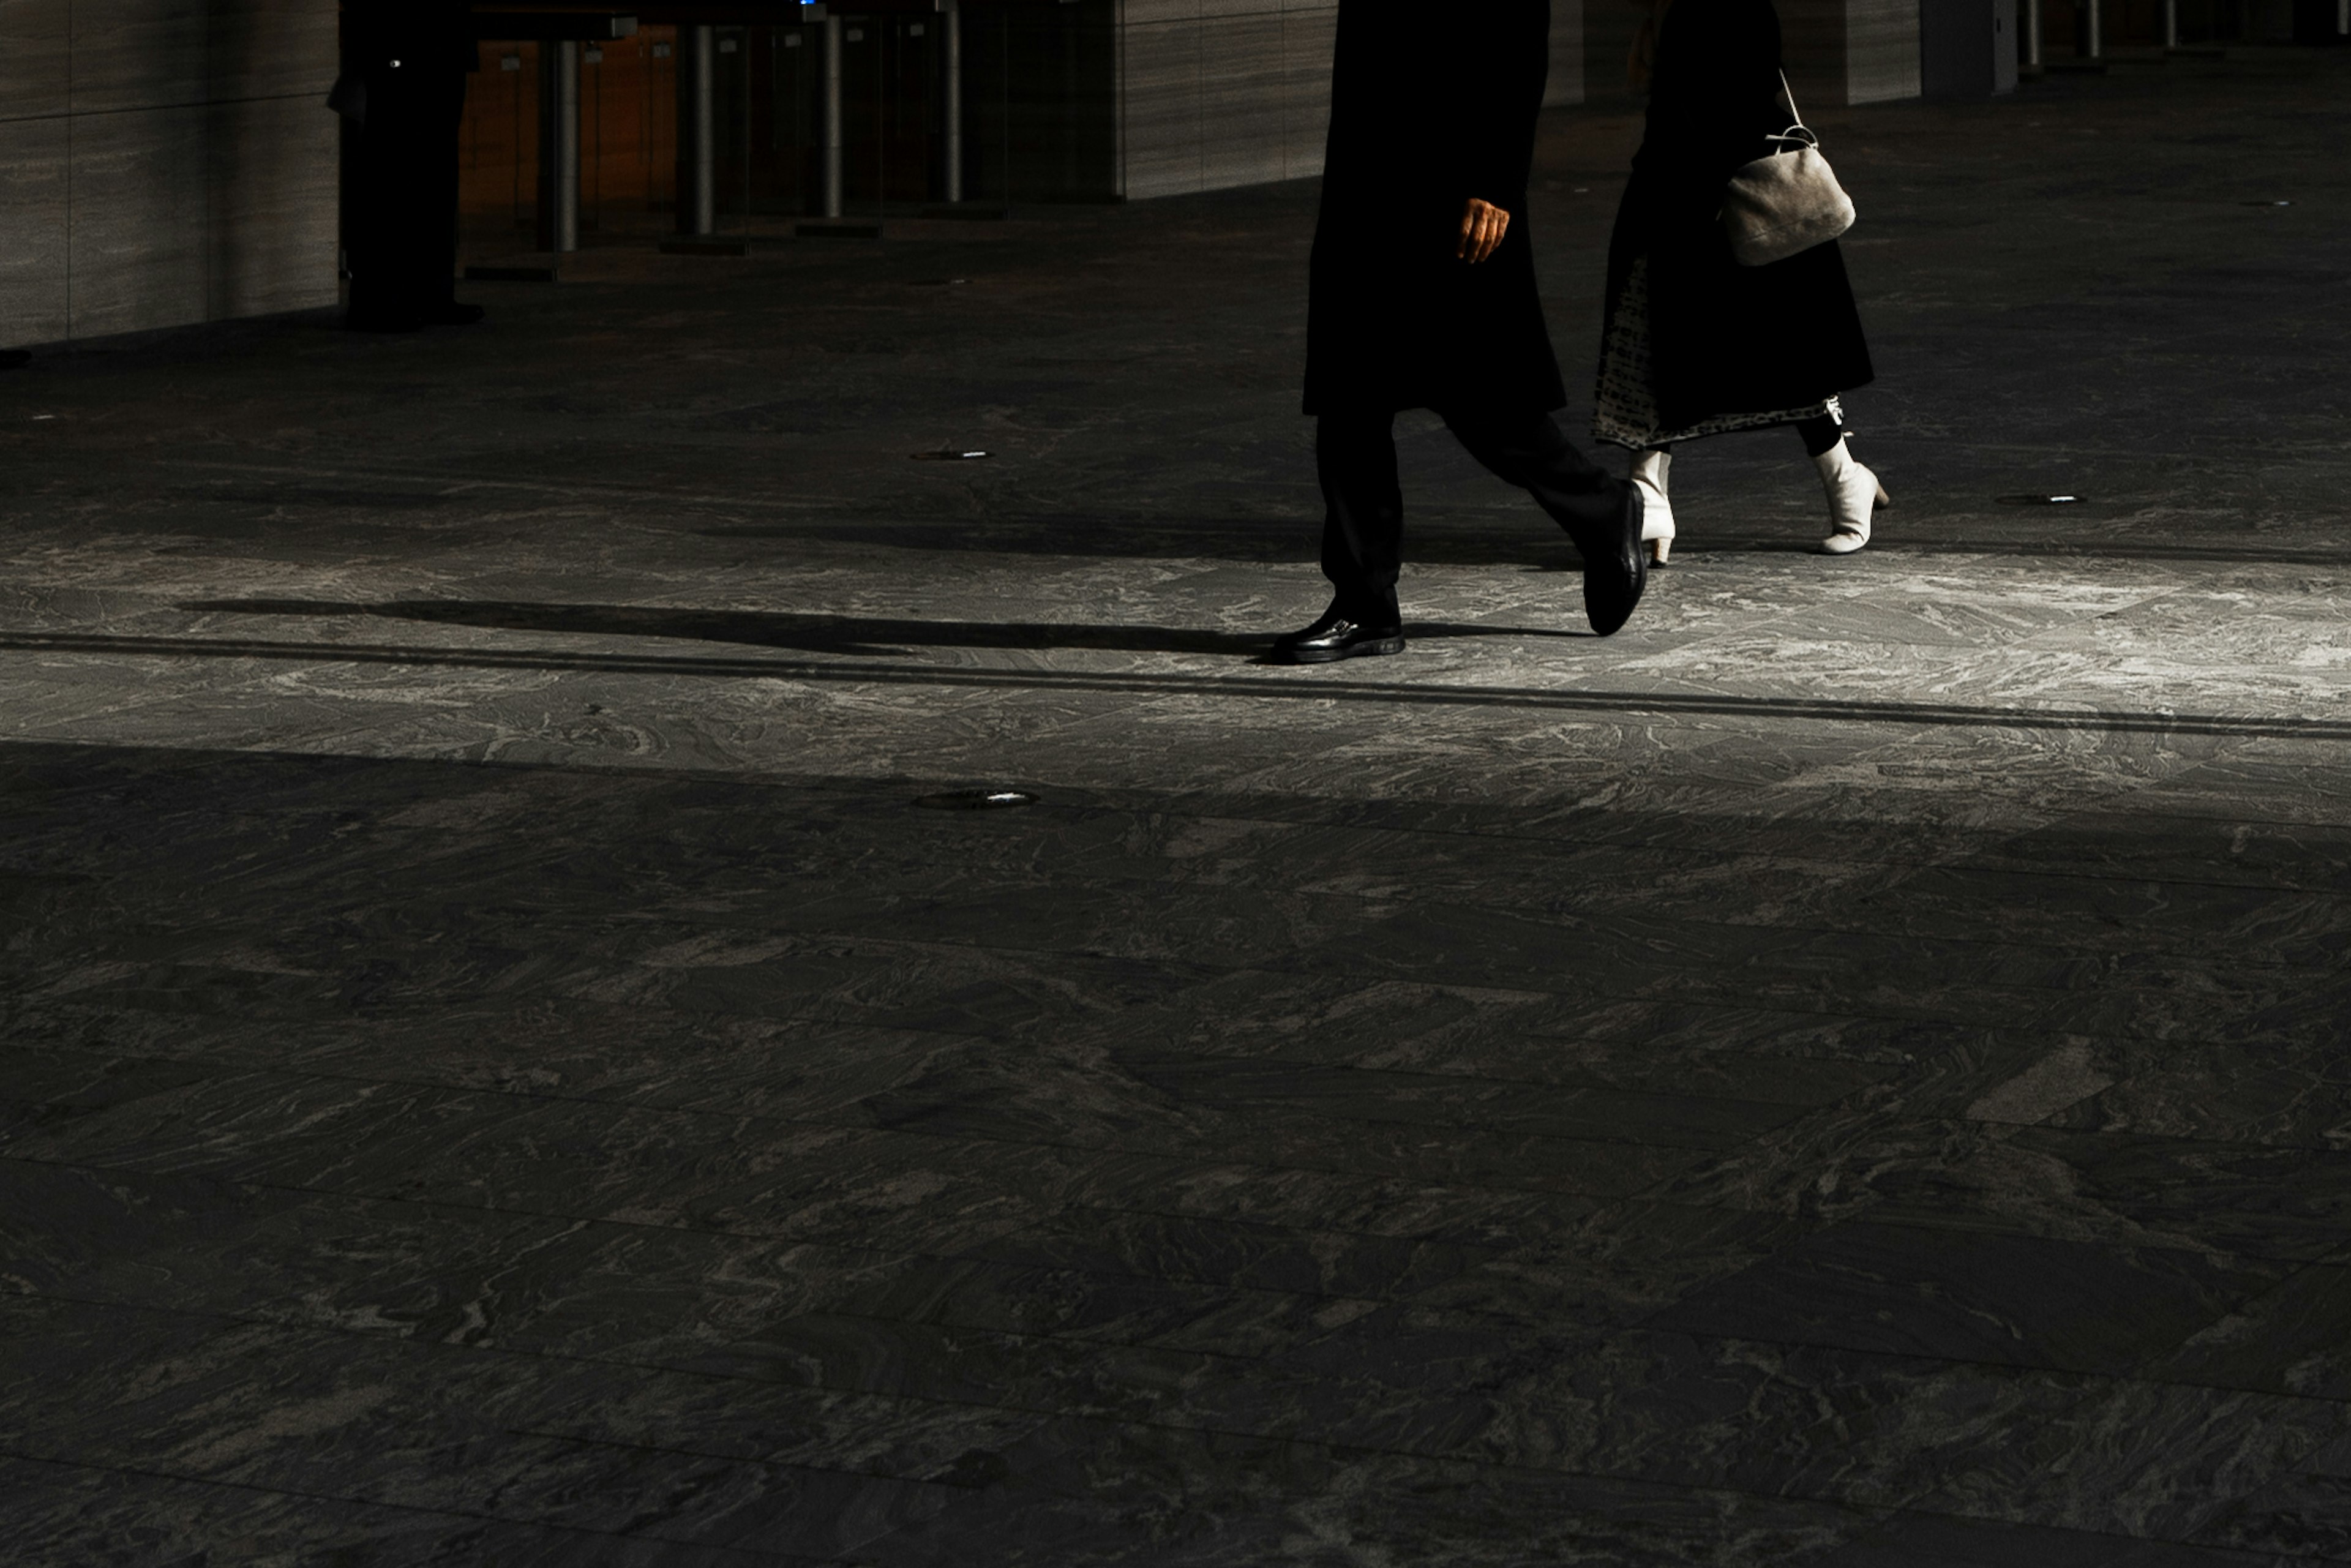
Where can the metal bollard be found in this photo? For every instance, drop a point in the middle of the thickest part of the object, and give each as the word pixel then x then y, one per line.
pixel 559 146
pixel 832 117
pixel 952 68
pixel 698 196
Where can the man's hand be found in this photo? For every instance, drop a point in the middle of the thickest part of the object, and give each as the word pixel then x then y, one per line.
pixel 1483 225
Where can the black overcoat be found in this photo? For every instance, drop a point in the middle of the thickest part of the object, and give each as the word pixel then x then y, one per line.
pixel 411 47
pixel 1430 107
pixel 1726 339
pixel 413 57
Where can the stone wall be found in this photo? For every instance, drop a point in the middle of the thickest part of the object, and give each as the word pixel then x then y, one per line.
pixel 162 163
pixel 1851 51
pixel 1881 50
pixel 1566 85
pixel 1219 93
pixel 1838 52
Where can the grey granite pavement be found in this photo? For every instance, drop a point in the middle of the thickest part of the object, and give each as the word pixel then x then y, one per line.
pixel 500 1068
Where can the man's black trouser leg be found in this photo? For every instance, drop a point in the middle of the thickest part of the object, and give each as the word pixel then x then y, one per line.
pixel 1530 451
pixel 435 267
pixel 404 225
pixel 1362 529
pixel 1363 522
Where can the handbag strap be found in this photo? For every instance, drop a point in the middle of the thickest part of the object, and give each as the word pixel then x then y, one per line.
pixel 1791 97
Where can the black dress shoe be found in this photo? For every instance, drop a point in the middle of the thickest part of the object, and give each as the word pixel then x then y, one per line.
pixel 15 358
pixel 1615 568
pixel 1338 635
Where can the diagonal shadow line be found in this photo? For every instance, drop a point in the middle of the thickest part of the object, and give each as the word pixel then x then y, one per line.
pixel 857 636
pixel 1311 684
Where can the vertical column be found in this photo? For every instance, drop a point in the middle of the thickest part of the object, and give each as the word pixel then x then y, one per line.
pixel 832 117
pixel 2342 18
pixel 2097 29
pixel 559 146
pixel 951 66
pixel 703 144
pixel 697 140
pixel 2033 36
pixel 2170 24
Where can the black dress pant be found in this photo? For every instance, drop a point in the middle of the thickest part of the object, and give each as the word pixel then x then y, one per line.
pixel 1362 529
pixel 405 198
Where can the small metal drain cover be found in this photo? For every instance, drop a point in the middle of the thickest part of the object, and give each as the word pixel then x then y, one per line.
pixel 976 800
pixel 2039 500
pixel 950 456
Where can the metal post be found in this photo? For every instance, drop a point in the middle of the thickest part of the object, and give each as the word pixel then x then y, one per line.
pixel 2033 36
pixel 697 174
pixel 2342 18
pixel 2170 24
pixel 952 10
pixel 2098 30
pixel 559 146
pixel 832 117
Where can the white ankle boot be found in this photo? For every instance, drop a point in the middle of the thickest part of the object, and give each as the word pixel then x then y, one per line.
pixel 1853 494
pixel 1657 512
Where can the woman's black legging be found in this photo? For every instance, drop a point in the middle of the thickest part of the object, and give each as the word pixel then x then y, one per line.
pixel 1821 432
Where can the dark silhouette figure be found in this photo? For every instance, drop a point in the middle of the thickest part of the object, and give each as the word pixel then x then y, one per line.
pixel 405 89
pixel 1423 296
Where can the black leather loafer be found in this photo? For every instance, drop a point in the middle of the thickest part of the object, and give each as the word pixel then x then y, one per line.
pixel 1337 635
pixel 1616 568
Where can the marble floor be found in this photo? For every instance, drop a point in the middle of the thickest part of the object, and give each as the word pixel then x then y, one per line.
pixel 504 1066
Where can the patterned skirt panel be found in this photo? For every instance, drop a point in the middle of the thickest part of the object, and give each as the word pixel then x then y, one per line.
pixel 1624 411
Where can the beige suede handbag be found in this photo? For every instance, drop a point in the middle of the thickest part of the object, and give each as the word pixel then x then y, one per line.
pixel 1787 201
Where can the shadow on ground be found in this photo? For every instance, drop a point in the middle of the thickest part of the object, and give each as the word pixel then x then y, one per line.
pixel 849 635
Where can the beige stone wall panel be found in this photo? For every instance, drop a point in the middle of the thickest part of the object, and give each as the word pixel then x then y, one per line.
pixel 1242 79
pixel 1308 35
pixel 164 162
pixel 1565 85
pixel 1160 105
pixel 1220 93
pixel 1881 50
pixel 137 253
pixel 35 47
pixel 271 232
pixel 271 48
pixel 140 53
pixel 32 296
pixel 1841 52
